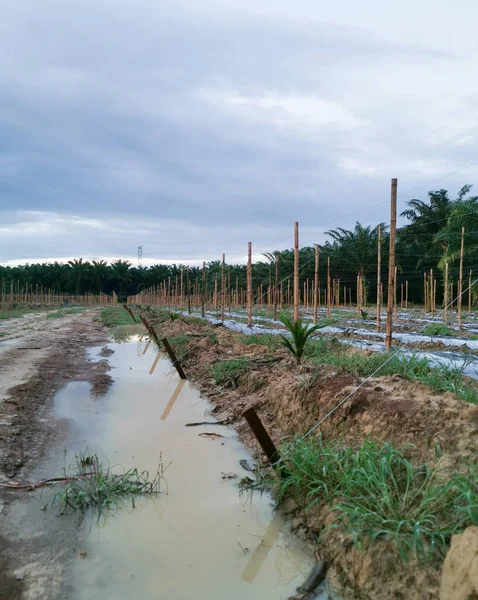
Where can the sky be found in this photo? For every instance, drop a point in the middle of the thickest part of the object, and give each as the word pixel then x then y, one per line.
pixel 191 127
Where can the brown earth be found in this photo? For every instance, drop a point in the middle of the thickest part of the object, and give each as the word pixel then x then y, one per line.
pixel 38 356
pixel 289 400
pixel 460 571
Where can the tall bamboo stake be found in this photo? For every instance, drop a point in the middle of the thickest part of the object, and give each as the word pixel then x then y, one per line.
pixel 316 282
pixel 406 293
pixel 276 288
pixel 460 281
pixel 432 299
pixel 391 264
pixel 379 274
pixel 445 300
pixel 249 284
pixel 328 286
pixel 469 294
pixel 296 272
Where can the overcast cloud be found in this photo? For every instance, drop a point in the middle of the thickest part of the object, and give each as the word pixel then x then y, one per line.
pixel 193 126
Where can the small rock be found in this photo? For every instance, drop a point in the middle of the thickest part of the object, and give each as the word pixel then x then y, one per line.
pixel 83 553
pixel 247 465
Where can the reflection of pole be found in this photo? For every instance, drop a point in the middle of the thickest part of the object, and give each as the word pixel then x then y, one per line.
pixel 260 553
pixel 173 399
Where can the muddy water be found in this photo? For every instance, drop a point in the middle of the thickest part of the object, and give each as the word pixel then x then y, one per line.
pixel 201 539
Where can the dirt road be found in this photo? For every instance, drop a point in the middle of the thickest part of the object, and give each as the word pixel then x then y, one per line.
pixel 38 356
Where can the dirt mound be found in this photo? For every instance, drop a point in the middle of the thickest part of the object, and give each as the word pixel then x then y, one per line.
pixel 460 570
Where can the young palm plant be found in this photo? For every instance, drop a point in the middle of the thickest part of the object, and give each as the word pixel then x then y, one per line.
pixel 300 333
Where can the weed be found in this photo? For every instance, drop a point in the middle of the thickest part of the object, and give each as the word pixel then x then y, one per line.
pixel 65 312
pixel 364 314
pixel 174 316
pixel 376 492
pixel 100 488
pixel 227 370
pixel 180 343
pixel 119 321
pixel 411 366
pixel 437 329
pixel 300 333
pixel 263 339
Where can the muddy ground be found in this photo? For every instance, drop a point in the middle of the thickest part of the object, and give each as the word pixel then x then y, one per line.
pixel 38 356
pixel 289 400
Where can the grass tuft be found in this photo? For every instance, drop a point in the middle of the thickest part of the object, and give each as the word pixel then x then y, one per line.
pixel 64 312
pixel 227 370
pixel 437 329
pixel 376 492
pixel 101 488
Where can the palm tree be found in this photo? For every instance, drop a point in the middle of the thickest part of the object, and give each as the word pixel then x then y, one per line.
pixel 464 214
pixel 427 220
pixel 357 249
pixel 79 273
pixel 99 273
pixel 121 275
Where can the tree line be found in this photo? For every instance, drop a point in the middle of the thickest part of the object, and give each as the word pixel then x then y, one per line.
pixel 430 238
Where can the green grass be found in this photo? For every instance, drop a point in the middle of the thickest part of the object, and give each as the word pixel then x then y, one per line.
pixel 263 339
pixel 437 329
pixel 111 316
pixel 64 312
pixel 15 313
pixel 179 344
pixel 3 333
pixel 227 370
pixel 120 323
pixel 412 367
pixel 101 488
pixel 376 492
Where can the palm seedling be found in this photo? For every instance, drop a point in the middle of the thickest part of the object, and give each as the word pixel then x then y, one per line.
pixel 300 333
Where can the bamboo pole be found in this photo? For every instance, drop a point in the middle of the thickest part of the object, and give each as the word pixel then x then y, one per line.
pixel 391 264
pixel 379 275
pixel 469 294
pixel 460 281
pixel 328 286
pixel 406 294
pixel 432 300
pixel 203 295
pixel 316 282
pixel 296 272
pixel 425 290
pixel 445 300
pixel 249 284
pixel 223 286
pixel 276 287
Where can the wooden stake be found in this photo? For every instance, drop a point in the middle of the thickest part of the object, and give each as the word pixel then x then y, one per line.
pixel 406 293
pixel 460 281
pixel 296 272
pixel 203 295
pixel 391 264
pixel 276 287
pixel 445 301
pixel 223 286
pixel 174 359
pixel 328 286
pixel 379 275
pixel 262 436
pixel 469 294
pixel 249 284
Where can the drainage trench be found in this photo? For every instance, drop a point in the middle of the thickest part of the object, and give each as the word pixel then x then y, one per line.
pixel 201 539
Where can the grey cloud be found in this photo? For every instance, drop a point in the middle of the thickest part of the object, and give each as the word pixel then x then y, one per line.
pixel 103 113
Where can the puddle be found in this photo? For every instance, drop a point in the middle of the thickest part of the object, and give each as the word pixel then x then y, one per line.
pixel 202 539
